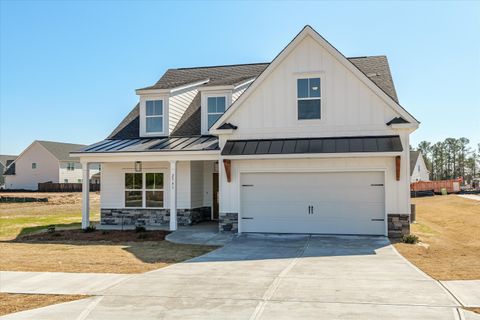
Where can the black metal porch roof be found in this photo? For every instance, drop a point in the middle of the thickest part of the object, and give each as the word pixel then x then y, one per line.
pixel 313 145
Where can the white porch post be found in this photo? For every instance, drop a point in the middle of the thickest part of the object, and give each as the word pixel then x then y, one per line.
pixel 173 195
pixel 85 195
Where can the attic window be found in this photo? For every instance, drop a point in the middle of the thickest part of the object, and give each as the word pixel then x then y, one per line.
pixel 215 108
pixel 308 98
pixel 154 116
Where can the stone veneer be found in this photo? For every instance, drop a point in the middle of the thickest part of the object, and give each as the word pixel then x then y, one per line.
pixel 398 225
pixel 152 217
pixel 228 222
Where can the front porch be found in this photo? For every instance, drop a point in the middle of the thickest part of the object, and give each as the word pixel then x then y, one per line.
pixel 163 195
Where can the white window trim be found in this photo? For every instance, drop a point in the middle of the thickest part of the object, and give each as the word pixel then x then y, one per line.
pixel 70 168
pixel 215 113
pixel 210 94
pixel 143 115
pixel 308 75
pixel 144 189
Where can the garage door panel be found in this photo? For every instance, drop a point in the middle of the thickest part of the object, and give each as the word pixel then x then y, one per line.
pixel 343 202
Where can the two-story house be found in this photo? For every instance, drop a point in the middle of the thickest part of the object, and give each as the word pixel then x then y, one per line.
pixel 45 161
pixel 312 142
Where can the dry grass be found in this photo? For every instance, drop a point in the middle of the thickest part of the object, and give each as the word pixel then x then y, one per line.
pixel 74 251
pixel 476 310
pixel 449 231
pixel 62 209
pixel 13 302
pixel 101 257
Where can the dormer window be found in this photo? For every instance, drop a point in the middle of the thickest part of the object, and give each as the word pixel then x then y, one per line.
pixel 215 108
pixel 308 99
pixel 154 116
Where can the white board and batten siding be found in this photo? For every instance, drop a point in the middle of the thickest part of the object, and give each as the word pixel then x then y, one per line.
pixel 190 183
pixel 348 108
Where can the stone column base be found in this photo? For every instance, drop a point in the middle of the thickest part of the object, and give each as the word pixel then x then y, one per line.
pixel 398 225
pixel 228 222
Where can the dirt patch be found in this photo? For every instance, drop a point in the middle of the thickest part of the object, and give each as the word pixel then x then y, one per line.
pixel 13 302
pixel 97 235
pixel 55 197
pixel 448 227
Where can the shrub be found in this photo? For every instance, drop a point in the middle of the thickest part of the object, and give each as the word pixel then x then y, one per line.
pixel 143 236
pixel 51 228
pixel 104 232
pixel 410 239
pixel 90 228
pixel 140 229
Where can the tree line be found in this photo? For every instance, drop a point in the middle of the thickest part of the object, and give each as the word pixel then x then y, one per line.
pixel 451 158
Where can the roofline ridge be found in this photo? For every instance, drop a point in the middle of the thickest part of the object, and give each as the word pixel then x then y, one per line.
pixel 220 66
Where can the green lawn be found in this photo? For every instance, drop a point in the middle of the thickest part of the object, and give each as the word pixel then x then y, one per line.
pixel 63 210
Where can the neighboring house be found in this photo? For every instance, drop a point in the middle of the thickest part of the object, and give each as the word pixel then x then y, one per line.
pixel 5 161
pixel 418 168
pixel 45 161
pixel 312 142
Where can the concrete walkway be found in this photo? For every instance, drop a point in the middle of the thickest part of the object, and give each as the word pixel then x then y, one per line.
pixel 58 282
pixel 274 277
pixel 205 233
pixel 470 196
pixel 466 291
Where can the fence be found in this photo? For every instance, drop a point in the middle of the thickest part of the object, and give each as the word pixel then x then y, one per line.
pixel 65 187
pixel 451 186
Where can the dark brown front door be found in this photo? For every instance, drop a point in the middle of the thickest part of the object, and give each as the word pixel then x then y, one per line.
pixel 215 196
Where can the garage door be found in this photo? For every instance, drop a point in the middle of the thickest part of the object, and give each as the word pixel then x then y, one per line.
pixel 330 203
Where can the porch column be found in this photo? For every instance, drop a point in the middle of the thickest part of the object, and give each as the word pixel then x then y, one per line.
pixel 173 195
pixel 85 195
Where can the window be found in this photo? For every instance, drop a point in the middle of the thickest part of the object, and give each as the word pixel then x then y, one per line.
pixel 144 190
pixel 309 96
pixel 34 165
pixel 154 116
pixel 215 109
pixel 70 166
pixel 154 190
pixel 79 180
pixel 418 168
pixel 65 180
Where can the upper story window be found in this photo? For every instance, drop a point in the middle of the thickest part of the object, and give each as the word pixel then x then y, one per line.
pixel 215 108
pixel 154 116
pixel 70 166
pixel 308 98
pixel 34 165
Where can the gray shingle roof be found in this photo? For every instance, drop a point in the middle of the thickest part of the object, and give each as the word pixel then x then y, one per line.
pixel 413 160
pixel 374 67
pixel 217 75
pixel 61 150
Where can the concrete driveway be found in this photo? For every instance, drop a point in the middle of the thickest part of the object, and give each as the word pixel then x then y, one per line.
pixel 273 277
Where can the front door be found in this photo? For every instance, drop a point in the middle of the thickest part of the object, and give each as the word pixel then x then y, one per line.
pixel 215 197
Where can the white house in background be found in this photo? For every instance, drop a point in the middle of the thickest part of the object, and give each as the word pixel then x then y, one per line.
pixel 5 161
pixel 312 142
pixel 44 161
pixel 418 168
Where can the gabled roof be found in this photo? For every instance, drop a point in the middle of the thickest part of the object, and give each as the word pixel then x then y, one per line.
pixel 217 75
pixel 61 150
pixel 413 160
pixel 376 67
pixel 362 76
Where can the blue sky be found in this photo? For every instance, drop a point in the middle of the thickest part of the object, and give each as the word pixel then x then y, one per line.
pixel 68 70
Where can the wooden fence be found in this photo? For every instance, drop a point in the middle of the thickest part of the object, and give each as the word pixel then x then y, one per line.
pixel 451 186
pixel 65 187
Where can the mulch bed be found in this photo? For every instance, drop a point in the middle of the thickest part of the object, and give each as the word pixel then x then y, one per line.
pixel 97 235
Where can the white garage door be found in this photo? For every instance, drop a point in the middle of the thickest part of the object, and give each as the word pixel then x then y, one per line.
pixel 333 202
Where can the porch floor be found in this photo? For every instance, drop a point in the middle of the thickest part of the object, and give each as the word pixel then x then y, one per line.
pixel 205 233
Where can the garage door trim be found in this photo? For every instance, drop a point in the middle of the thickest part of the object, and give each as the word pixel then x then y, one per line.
pixel 307 170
